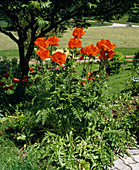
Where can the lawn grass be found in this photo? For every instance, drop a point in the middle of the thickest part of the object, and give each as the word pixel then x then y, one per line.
pixel 15 54
pixel 10 53
pixel 93 67
pixel 116 82
pixel 125 38
pixel 127 51
pixel 7 43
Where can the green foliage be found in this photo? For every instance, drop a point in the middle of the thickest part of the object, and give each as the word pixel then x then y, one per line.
pixel 136 60
pixel 64 119
pixel 134 14
pixel 69 126
pixel 15 158
pixel 114 65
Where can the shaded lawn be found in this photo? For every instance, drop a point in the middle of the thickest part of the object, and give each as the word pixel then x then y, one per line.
pixel 10 53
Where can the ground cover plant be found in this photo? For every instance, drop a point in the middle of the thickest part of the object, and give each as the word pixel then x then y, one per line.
pixel 64 118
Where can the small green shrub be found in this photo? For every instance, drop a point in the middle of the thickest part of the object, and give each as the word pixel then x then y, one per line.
pixel 14 61
pixel 114 65
pixel 136 60
pixel 4 66
pixel 134 14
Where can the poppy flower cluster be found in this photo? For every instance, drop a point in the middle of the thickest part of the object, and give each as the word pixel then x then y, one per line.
pixel 76 42
pixel 25 79
pixel 44 53
pixel 42 43
pixel 89 51
pixel 106 49
pixel 103 47
pixel 6 88
pixel 59 58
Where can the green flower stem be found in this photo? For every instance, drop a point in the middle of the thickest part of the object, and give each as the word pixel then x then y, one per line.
pixel 55 84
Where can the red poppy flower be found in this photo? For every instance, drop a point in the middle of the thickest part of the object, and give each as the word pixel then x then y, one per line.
pixel 111 53
pixel 83 83
pixel 82 51
pixel 15 80
pixel 90 50
pixel 105 55
pixel 27 77
pixel 2 83
pixel 78 32
pixel 105 45
pixel 10 87
pixel 6 75
pixel 106 48
pixel 53 41
pixel 41 42
pixel 31 69
pixel 24 80
pixel 127 105
pixel 90 73
pixel 59 58
pixel 1 132
pixel 81 57
pixel 74 43
pixel 43 53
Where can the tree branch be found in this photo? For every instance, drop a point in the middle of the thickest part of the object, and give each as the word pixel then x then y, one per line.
pixel 70 15
pixel 9 34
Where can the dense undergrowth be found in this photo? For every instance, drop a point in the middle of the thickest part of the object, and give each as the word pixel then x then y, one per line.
pixel 64 118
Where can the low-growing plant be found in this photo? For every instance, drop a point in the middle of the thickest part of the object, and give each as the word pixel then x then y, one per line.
pixel 14 158
pixel 114 64
pixel 136 60
pixel 66 117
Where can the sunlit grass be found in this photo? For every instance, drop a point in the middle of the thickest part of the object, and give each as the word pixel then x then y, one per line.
pixel 123 37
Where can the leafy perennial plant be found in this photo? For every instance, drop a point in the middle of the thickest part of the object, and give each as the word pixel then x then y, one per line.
pixel 68 113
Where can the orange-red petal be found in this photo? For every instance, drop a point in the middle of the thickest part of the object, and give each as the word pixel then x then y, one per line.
pixel 74 43
pixel 53 41
pixel 59 58
pixel 41 42
pixel 78 32
pixel 43 53
pixel 15 80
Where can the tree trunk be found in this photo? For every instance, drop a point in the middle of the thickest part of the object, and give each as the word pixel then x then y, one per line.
pixel 24 61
